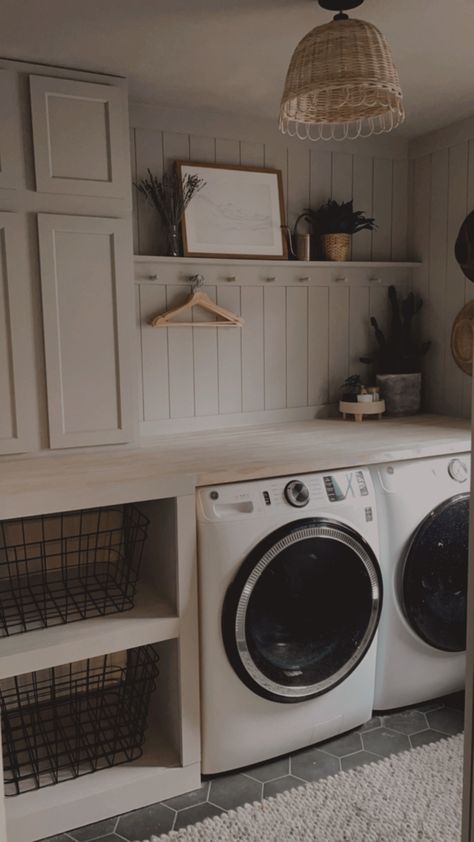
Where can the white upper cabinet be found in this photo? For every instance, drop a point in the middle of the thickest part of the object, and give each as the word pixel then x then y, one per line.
pixel 10 143
pixel 80 137
pixel 88 315
pixel 16 374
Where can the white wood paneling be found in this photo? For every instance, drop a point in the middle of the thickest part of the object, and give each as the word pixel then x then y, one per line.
pixel 229 349
pixel 10 143
pixel 310 176
pixel 303 333
pixel 80 137
pixel 441 195
pixel 274 327
pixel 16 371
pixel 88 328
pixel 382 208
pixel 296 346
pixel 252 349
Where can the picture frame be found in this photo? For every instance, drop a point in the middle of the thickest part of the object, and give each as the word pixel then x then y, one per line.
pixel 239 213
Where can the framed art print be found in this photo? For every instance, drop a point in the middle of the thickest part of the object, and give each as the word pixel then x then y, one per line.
pixel 238 213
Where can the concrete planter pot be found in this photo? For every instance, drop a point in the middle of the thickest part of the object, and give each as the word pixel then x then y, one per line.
pixel 401 392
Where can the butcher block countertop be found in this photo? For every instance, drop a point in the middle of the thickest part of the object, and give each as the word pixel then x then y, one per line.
pixel 177 463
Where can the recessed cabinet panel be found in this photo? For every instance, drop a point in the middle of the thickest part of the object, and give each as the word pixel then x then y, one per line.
pixel 16 375
pixel 79 133
pixel 88 324
pixel 10 145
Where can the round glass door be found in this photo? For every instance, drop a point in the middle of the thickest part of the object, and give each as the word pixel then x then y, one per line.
pixel 302 610
pixel 435 576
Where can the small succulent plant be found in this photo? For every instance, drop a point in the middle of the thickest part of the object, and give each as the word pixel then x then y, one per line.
pixel 401 351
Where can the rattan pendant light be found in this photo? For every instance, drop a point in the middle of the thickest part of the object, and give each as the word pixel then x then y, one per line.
pixel 341 82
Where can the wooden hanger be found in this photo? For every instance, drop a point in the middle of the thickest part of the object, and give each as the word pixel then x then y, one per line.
pixel 198 299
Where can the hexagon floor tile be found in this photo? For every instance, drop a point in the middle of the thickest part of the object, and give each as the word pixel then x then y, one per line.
pixel 385 734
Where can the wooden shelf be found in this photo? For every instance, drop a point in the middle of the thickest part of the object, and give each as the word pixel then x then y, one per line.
pixel 316 264
pixel 152 620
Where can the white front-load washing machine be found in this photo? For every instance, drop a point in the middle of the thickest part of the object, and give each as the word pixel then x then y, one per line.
pixel 423 512
pixel 290 598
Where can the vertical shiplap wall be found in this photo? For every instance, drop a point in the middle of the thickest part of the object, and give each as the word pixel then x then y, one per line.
pixel 374 173
pixel 299 341
pixel 442 194
pixel 303 334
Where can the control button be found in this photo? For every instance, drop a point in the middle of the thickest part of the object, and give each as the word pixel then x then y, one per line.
pixel 297 493
pixel 214 495
pixel 266 497
pixel 457 470
pixel 362 484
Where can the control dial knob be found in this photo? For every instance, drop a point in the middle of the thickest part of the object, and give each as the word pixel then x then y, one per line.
pixel 457 470
pixel 297 493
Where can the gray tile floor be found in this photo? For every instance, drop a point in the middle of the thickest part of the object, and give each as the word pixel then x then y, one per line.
pixel 382 736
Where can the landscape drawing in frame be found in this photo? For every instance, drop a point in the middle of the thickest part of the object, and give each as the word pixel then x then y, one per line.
pixel 239 213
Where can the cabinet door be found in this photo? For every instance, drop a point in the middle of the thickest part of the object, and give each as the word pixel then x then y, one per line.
pixel 10 143
pixel 17 388
pixel 88 317
pixel 80 137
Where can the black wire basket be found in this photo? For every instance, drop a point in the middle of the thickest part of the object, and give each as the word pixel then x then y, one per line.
pixel 68 721
pixel 65 567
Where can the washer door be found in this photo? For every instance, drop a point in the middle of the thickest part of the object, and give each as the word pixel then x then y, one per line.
pixel 302 610
pixel 435 576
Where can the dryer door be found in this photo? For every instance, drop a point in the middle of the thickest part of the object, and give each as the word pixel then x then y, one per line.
pixel 434 586
pixel 302 610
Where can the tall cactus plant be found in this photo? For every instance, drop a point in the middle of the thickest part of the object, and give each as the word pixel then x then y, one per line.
pixel 401 351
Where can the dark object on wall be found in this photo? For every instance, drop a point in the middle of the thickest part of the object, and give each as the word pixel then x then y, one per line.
pixel 400 352
pixel 462 338
pixel 57 569
pixel 68 721
pixel 464 247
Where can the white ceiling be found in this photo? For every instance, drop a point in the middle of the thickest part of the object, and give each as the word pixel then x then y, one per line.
pixel 232 55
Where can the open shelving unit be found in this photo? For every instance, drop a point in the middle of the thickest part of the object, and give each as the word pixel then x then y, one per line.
pixel 165 616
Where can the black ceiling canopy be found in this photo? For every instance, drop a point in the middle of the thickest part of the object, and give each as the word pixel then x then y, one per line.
pixel 339 5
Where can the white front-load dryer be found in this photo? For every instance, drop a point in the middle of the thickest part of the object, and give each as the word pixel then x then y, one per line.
pixel 290 599
pixel 423 511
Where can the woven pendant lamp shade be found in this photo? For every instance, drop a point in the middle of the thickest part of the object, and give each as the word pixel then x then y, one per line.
pixel 341 83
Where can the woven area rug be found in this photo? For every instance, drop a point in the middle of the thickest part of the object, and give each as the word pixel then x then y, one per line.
pixel 410 797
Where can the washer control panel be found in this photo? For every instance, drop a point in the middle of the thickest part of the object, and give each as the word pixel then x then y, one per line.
pixel 457 470
pixel 307 494
pixel 297 493
pixel 345 485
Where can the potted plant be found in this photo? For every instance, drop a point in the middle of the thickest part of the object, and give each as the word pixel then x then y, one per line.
pixel 335 223
pixel 397 359
pixel 170 197
pixel 351 388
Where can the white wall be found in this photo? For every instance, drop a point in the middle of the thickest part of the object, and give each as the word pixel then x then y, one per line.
pixel 300 340
pixel 442 193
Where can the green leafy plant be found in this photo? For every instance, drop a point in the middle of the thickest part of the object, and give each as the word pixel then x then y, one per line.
pixel 337 218
pixel 170 196
pixel 351 388
pixel 401 351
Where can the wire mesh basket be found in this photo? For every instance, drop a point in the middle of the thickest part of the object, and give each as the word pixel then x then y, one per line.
pixel 68 721
pixel 65 567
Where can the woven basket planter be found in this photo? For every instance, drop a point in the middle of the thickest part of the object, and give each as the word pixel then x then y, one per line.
pixel 336 246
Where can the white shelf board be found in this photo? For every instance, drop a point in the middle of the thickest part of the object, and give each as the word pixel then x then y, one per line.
pixel 150 621
pixel 154 777
pixel 316 264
